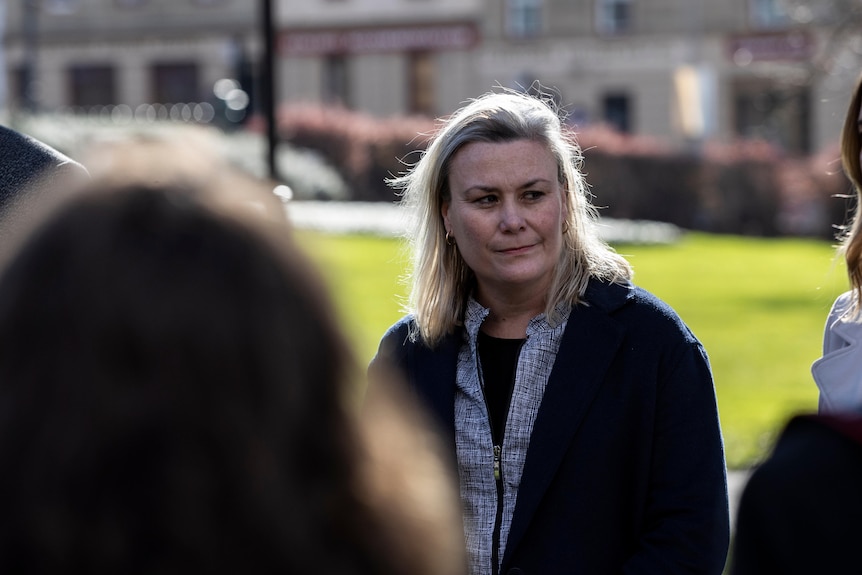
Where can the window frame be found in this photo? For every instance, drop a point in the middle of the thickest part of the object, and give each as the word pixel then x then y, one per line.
pixel 523 19
pixel 614 17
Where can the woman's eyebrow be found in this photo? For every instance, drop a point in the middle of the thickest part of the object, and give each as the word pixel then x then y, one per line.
pixel 491 188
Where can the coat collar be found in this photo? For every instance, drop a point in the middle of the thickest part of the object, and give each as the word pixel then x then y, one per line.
pixel 838 374
pixel 439 364
pixel 590 342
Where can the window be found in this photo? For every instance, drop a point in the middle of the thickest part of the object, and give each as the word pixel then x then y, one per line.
pixel 772 112
pixel 422 77
pixel 92 85
pixel 175 83
pixel 613 16
pixel 767 13
pixel 523 18
pixel 336 83
pixel 22 88
pixel 616 112
pixel 130 3
pixel 61 7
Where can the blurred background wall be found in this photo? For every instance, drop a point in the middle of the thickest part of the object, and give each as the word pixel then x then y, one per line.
pixel 685 73
pixel 684 70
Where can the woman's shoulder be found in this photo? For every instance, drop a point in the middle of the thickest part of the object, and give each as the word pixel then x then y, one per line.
pixel 627 297
pixel 841 308
pixel 401 330
pixel 391 349
pixel 842 323
pixel 843 326
pixel 638 309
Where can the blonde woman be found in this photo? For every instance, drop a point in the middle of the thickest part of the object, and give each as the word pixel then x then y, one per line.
pixel 579 408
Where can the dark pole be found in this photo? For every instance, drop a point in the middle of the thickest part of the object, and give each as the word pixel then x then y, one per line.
pixel 31 41
pixel 268 85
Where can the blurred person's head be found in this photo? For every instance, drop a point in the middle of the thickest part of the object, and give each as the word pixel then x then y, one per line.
pixel 174 391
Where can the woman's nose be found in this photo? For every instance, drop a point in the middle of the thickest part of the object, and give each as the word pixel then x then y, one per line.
pixel 511 217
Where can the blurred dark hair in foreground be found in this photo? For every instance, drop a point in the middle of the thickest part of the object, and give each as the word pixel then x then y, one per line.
pixel 176 395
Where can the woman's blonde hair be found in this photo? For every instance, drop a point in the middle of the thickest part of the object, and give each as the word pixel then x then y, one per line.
pixel 441 280
pixel 851 235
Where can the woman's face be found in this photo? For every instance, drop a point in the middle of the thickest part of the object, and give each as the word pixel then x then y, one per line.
pixel 506 214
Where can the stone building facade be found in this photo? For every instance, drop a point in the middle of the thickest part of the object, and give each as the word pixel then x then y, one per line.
pixel 681 70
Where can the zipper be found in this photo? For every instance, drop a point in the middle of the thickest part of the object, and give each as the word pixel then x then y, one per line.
pixel 498 462
pixel 497 451
pixel 498 521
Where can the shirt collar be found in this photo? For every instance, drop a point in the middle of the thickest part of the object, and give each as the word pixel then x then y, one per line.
pixel 476 314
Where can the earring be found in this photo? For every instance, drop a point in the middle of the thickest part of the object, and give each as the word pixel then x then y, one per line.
pixel 449 240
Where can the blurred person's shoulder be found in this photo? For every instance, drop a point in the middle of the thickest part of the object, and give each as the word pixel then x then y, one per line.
pixel 26 162
pixel 32 176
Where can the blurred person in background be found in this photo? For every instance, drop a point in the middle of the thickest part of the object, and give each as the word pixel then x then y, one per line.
pixel 580 409
pixel 838 373
pixel 29 168
pixel 801 509
pixel 175 396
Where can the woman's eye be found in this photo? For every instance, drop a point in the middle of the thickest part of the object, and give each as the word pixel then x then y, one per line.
pixel 533 195
pixel 486 200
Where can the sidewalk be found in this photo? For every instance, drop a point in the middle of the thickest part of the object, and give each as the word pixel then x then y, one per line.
pixel 735 484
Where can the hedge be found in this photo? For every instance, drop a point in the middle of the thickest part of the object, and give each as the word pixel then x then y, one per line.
pixel 742 187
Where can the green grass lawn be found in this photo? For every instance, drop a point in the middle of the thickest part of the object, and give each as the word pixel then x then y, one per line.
pixel 758 305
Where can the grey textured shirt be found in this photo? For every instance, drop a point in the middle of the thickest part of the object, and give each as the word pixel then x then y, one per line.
pixel 474 444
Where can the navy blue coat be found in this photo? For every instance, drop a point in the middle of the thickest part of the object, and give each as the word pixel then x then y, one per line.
pixel 625 470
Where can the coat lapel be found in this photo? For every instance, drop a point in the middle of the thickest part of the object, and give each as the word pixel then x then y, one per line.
pixel 837 373
pixel 589 344
pixel 437 371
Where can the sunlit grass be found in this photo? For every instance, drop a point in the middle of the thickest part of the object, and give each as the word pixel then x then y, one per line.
pixel 364 274
pixel 758 305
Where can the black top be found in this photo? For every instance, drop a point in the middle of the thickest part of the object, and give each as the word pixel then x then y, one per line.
pixel 499 359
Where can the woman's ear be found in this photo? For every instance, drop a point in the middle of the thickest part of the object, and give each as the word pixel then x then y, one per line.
pixel 444 211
